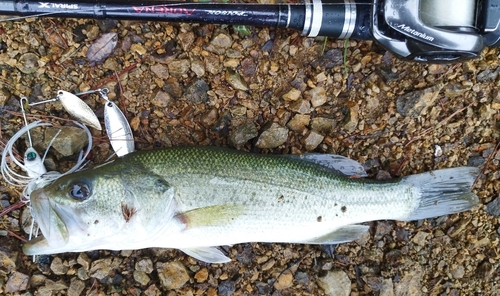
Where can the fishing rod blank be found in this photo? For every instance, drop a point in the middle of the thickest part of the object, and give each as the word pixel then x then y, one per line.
pixel 333 18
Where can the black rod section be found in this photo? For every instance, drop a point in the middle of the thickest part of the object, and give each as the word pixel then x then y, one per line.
pixel 334 18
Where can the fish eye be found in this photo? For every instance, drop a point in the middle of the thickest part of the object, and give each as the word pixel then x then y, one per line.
pixel 80 191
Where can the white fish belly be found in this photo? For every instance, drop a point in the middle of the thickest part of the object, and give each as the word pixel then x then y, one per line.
pixel 277 214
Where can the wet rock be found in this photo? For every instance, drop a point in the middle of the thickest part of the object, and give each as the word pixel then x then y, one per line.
pixel 186 39
pixel 145 265
pixel 173 275
pixel 161 99
pixel 410 283
pixel 292 95
pixel 301 106
pixel 299 122
pixel 177 68
pixel 196 92
pixel 58 267
pixel 457 272
pixel 55 286
pixel 312 140
pixel 387 288
pixel 485 270
pixel 235 80
pixel 76 287
pixel 335 283
pixel 415 103
pixel 160 70
pixel 488 75
pixel 323 125
pixel 420 238
pixel 493 208
pixel 226 288
pixel 330 59
pixel 198 67
pixel 476 161
pixel 249 68
pixel 285 280
pixel 302 277
pixel 220 43
pixel 317 96
pixel 201 275
pixel 84 261
pixel 272 136
pixel 8 260
pixel 37 280
pixel 352 117
pixel 141 277
pixel 244 131
pixel 102 48
pixel 152 291
pixel 173 87
pixel 70 141
pixel 17 282
pixel 383 228
pixel 4 96
pixel 28 63
pixel 101 268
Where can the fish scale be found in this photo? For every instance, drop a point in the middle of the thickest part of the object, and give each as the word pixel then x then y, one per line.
pixel 194 198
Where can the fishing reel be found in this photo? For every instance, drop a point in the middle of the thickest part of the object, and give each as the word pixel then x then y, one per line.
pixel 435 30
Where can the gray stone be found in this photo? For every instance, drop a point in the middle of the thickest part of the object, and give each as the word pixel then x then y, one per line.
pixel 55 286
pixel 161 99
pixel 58 267
pixel 410 283
pixel 272 136
pixel 160 70
pixel 84 261
pixel 141 277
pixel 335 283
pixel 387 288
pixel 299 122
pixel 177 68
pixel 226 288
pixel 220 43
pixel 235 80
pixel 312 140
pixel 323 125
pixel 317 96
pixel 415 103
pixel 301 106
pixel 196 92
pixel 242 133
pixel 173 275
pixel 145 265
pixel 17 282
pixel 69 141
pixel 493 208
pixel 76 287
pixel 8 259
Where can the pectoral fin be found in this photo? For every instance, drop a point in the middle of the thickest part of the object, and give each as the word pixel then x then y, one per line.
pixel 207 254
pixel 345 234
pixel 211 216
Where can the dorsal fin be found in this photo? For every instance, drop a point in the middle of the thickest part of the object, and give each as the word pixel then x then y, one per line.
pixel 335 162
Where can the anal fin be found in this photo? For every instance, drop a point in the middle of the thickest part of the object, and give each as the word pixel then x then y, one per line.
pixel 207 254
pixel 345 234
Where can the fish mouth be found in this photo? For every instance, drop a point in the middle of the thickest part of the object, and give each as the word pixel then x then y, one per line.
pixel 52 220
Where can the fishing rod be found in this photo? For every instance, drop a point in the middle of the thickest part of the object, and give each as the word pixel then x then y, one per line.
pixel 418 30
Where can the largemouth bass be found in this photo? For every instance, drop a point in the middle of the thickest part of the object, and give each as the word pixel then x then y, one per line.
pixel 196 198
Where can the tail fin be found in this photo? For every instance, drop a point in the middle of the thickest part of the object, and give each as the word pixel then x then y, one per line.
pixel 443 192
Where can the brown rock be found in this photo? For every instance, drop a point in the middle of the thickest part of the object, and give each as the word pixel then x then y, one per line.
pixel 173 275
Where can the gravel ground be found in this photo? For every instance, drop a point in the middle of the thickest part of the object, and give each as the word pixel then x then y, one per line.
pixel 271 91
